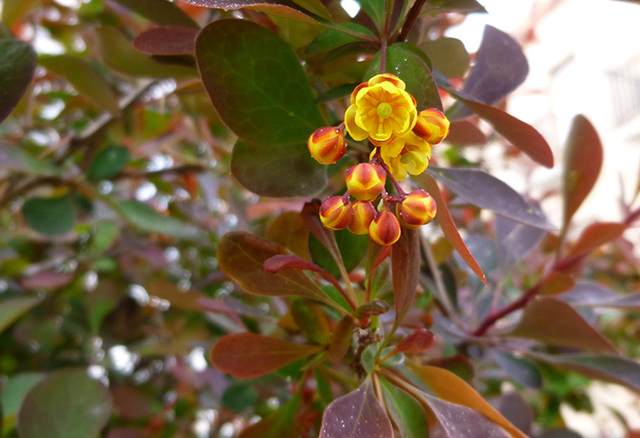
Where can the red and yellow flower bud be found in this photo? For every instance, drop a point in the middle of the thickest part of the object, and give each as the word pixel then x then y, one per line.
pixel 327 145
pixel 417 209
pixel 432 126
pixel 363 214
pixel 385 229
pixel 365 181
pixel 336 213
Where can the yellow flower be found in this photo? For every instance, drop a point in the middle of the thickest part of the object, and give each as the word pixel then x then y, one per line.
pixel 405 155
pixel 380 109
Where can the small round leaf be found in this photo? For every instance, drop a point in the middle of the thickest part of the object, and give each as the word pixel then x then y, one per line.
pixel 50 216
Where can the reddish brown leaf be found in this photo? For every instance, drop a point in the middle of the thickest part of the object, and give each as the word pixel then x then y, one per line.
pixel 405 271
pixel 280 262
pixel 556 283
pixel 290 230
pixel 448 226
pixel 582 164
pixel 596 235
pixel 290 10
pixel 341 339
pixel 167 40
pixel 417 342
pixel 553 321
pixel 466 133
pixel 311 321
pixel 246 355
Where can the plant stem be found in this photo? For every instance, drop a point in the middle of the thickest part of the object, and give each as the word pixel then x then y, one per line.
pixel 383 56
pixel 411 20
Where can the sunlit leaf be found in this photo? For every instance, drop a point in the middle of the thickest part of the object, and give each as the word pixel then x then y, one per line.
pixel 405 271
pixel 279 424
pixel 596 235
pixel 434 7
pixel 448 56
pixel 448 226
pixel 555 282
pixel 341 338
pixel 14 10
pixel 13 308
pixel 16 71
pixel 162 12
pixel 499 68
pixel 65 404
pixel 148 219
pixel 283 8
pixel 451 388
pixel 521 369
pixel 553 321
pixel 242 255
pixel 291 231
pixel 85 78
pixel 588 294
pixel 358 414
pixel 404 62
pixel 118 54
pixel 486 191
pixel 581 165
pixel 405 411
pixel 246 355
pixel 375 10
pixel 515 240
pixel 166 40
pixel 50 216
pixel 108 163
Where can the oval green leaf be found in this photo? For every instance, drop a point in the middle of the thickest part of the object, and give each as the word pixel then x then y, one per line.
pixel 108 163
pixel 16 71
pixel 50 216
pixel 147 219
pixel 13 308
pixel 405 411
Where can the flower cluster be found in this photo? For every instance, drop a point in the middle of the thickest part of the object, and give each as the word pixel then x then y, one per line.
pixel 383 112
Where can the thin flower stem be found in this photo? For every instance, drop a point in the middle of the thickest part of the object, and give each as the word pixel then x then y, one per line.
pixel 411 20
pixel 383 56
pixel 377 159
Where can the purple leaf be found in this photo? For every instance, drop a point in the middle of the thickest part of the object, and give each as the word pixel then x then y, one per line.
pixel 515 240
pixel 166 40
pixel 587 294
pixel 356 415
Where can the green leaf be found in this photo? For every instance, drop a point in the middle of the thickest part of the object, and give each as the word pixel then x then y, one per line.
pixel 404 62
pixel 448 55
pixel 278 424
pixel 332 38
pixel 108 163
pixel 521 369
pixel 118 54
pixel 147 219
pixel 66 404
pixel 13 308
pixel 85 78
pixel 375 10
pixel 352 249
pixel 14 10
pixel 311 321
pixel 16 71
pixel 12 394
pixel 161 12
pixel 17 159
pixel 405 411
pixel 277 171
pixel 50 216
pixel 239 397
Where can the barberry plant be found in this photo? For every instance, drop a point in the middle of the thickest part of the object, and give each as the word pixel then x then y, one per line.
pixel 241 219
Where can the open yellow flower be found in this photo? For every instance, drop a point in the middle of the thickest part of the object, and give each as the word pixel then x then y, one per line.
pixel 405 155
pixel 380 109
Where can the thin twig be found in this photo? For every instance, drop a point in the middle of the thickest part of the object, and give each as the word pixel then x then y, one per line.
pixel 411 20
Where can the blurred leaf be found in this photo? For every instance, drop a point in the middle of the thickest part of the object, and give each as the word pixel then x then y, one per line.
pixel 434 7
pixel 609 368
pixel 14 389
pixel 66 404
pixel 239 397
pixel 588 294
pixel 358 414
pixel 417 342
pixel 453 389
pixel 49 216
pixel 515 240
pixel 118 54
pixel 180 299
pixel 17 159
pixel 279 424
pixel 341 338
pixel 337 92
pixel 517 410
pixel 162 12
pixel 108 163
pixel 405 411
pixel 130 402
pixel 148 219
pixel 16 71
pixel 521 135
pixel 522 370
pixel 352 249
pixel 458 364
pixel 448 56
pixel 581 165
pixel 500 67
pixel 560 432
pixel 447 225
pixel 85 78
pixel 14 10
pixel 404 62
pixel 291 231
pixel 312 321
pixel 167 40
pixel 405 272
pixel 13 308
pixel 283 8
pixel 242 255
pixel 375 10
pixel 596 235
pixel 555 283
pixel 486 191
pixel 466 133
pixel 245 355
pixel 46 279
pixel 553 321
pixel 332 38
pixel 261 169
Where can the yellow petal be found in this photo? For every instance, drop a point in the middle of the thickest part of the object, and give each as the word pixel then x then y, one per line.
pixel 353 129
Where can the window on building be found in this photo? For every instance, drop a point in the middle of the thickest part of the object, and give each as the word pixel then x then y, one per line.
pixel 625 89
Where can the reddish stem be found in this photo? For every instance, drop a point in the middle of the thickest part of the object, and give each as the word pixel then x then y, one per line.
pixel 411 20
pixel 377 159
pixel 493 317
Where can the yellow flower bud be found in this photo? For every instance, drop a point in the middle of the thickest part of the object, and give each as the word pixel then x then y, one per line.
pixel 336 213
pixel 363 214
pixel 431 126
pixel 365 181
pixel 417 209
pixel 385 229
pixel 327 145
